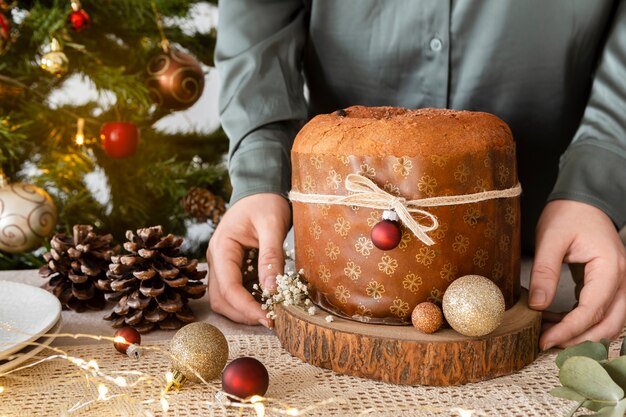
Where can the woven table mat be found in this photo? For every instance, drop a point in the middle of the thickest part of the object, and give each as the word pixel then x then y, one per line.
pixel 60 387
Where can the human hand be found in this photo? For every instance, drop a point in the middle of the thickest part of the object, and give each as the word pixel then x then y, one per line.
pixel 578 233
pixel 257 221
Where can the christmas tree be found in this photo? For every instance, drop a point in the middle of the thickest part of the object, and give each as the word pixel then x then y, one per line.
pixel 123 48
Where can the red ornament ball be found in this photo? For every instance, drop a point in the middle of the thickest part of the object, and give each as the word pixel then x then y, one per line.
pixel 245 377
pixel 119 139
pixel 386 234
pixel 175 80
pixel 79 20
pixel 125 337
pixel 5 32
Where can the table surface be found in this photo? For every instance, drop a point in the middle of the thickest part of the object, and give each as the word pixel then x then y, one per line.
pixel 91 322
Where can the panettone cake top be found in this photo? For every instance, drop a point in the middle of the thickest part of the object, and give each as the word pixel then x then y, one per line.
pixel 381 131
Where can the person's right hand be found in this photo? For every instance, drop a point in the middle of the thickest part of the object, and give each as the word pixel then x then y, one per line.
pixel 257 221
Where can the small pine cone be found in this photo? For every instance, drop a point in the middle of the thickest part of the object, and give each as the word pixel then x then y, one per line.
pixel 75 266
pixel 152 284
pixel 202 205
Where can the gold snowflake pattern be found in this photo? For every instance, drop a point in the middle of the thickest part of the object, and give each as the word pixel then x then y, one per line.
pixel 503 175
pixel 309 252
pixel 364 246
pixel 448 272
pixel 344 159
pixel 364 313
pixel 355 208
pixel 373 219
pixel 399 308
pixel 332 251
pixel 333 179
pixel 308 185
pixel 439 160
pixel 367 171
pixel 425 256
pixel 461 243
pixel 352 271
pixel 440 232
pixel 462 173
pixel 427 185
pixel 471 216
pixel 342 294
pixel 375 290
pixel 342 227
pixel 392 189
pixel 315 230
pixel 490 230
pixel 387 265
pixel 481 185
pixel 435 296
pixel 480 258
pixel 324 208
pixel 509 215
pixel 505 243
pixel 412 282
pixel 498 271
pixel 316 161
pixel 487 161
pixel 510 150
pixel 403 166
pixel 324 273
pixel 405 239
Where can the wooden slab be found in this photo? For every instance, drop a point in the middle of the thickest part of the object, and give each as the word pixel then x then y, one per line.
pixel 402 355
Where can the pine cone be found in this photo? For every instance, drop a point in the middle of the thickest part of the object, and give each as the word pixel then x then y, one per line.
pixel 75 264
pixel 202 205
pixel 152 284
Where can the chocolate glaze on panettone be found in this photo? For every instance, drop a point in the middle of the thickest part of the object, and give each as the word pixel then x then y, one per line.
pixel 413 154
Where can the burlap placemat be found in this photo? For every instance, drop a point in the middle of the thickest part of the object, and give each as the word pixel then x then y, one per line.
pixel 59 387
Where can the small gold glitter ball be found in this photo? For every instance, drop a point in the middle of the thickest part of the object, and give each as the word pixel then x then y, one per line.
pixel 199 347
pixel 427 317
pixel 473 305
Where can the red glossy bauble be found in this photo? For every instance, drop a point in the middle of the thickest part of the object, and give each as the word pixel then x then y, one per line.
pixel 125 337
pixel 5 31
pixel 386 234
pixel 175 80
pixel 79 20
pixel 119 139
pixel 245 377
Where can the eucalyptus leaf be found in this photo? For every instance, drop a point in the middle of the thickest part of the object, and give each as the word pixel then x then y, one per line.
pixel 568 394
pixel 588 378
pixel 593 350
pixel 617 370
pixel 595 405
pixel 617 410
pixel 606 342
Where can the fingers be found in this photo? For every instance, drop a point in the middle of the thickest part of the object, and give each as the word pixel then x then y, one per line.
pixel 600 311
pixel 271 255
pixel 227 296
pixel 546 269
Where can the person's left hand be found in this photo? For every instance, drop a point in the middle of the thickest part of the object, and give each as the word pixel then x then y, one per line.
pixel 574 232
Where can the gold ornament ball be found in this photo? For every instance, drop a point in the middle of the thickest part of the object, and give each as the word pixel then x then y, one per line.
pixel 199 348
pixel 27 216
pixel 55 62
pixel 473 305
pixel 427 317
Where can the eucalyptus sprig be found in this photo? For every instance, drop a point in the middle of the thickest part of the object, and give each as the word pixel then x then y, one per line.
pixel 592 380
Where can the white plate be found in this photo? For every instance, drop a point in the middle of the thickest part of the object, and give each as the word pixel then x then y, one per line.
pixel 28 352
pixel 26 312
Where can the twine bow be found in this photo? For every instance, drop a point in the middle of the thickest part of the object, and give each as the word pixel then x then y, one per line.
pixel 365 193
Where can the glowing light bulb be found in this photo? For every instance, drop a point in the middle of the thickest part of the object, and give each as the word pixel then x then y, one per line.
pixel 80 134
pixel 260 409
pixel 102 392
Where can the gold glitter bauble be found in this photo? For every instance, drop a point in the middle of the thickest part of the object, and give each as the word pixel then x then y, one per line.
pixel 199 348
pixel 427 317
pixel 473 305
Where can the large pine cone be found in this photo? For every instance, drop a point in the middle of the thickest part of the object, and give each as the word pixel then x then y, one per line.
pixel 202 205
pixel 75 265
pixel 152 284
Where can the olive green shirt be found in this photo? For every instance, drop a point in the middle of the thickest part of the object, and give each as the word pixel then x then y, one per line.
pixel 554 70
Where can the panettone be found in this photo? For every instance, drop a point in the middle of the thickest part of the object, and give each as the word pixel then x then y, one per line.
pixel 414 155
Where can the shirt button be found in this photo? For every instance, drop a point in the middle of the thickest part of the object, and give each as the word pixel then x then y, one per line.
pixel 436 44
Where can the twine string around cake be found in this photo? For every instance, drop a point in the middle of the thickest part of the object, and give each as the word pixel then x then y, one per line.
pixel 365 193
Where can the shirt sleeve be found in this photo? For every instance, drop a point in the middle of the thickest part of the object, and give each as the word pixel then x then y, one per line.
pixel 262 105
pixel 593 168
